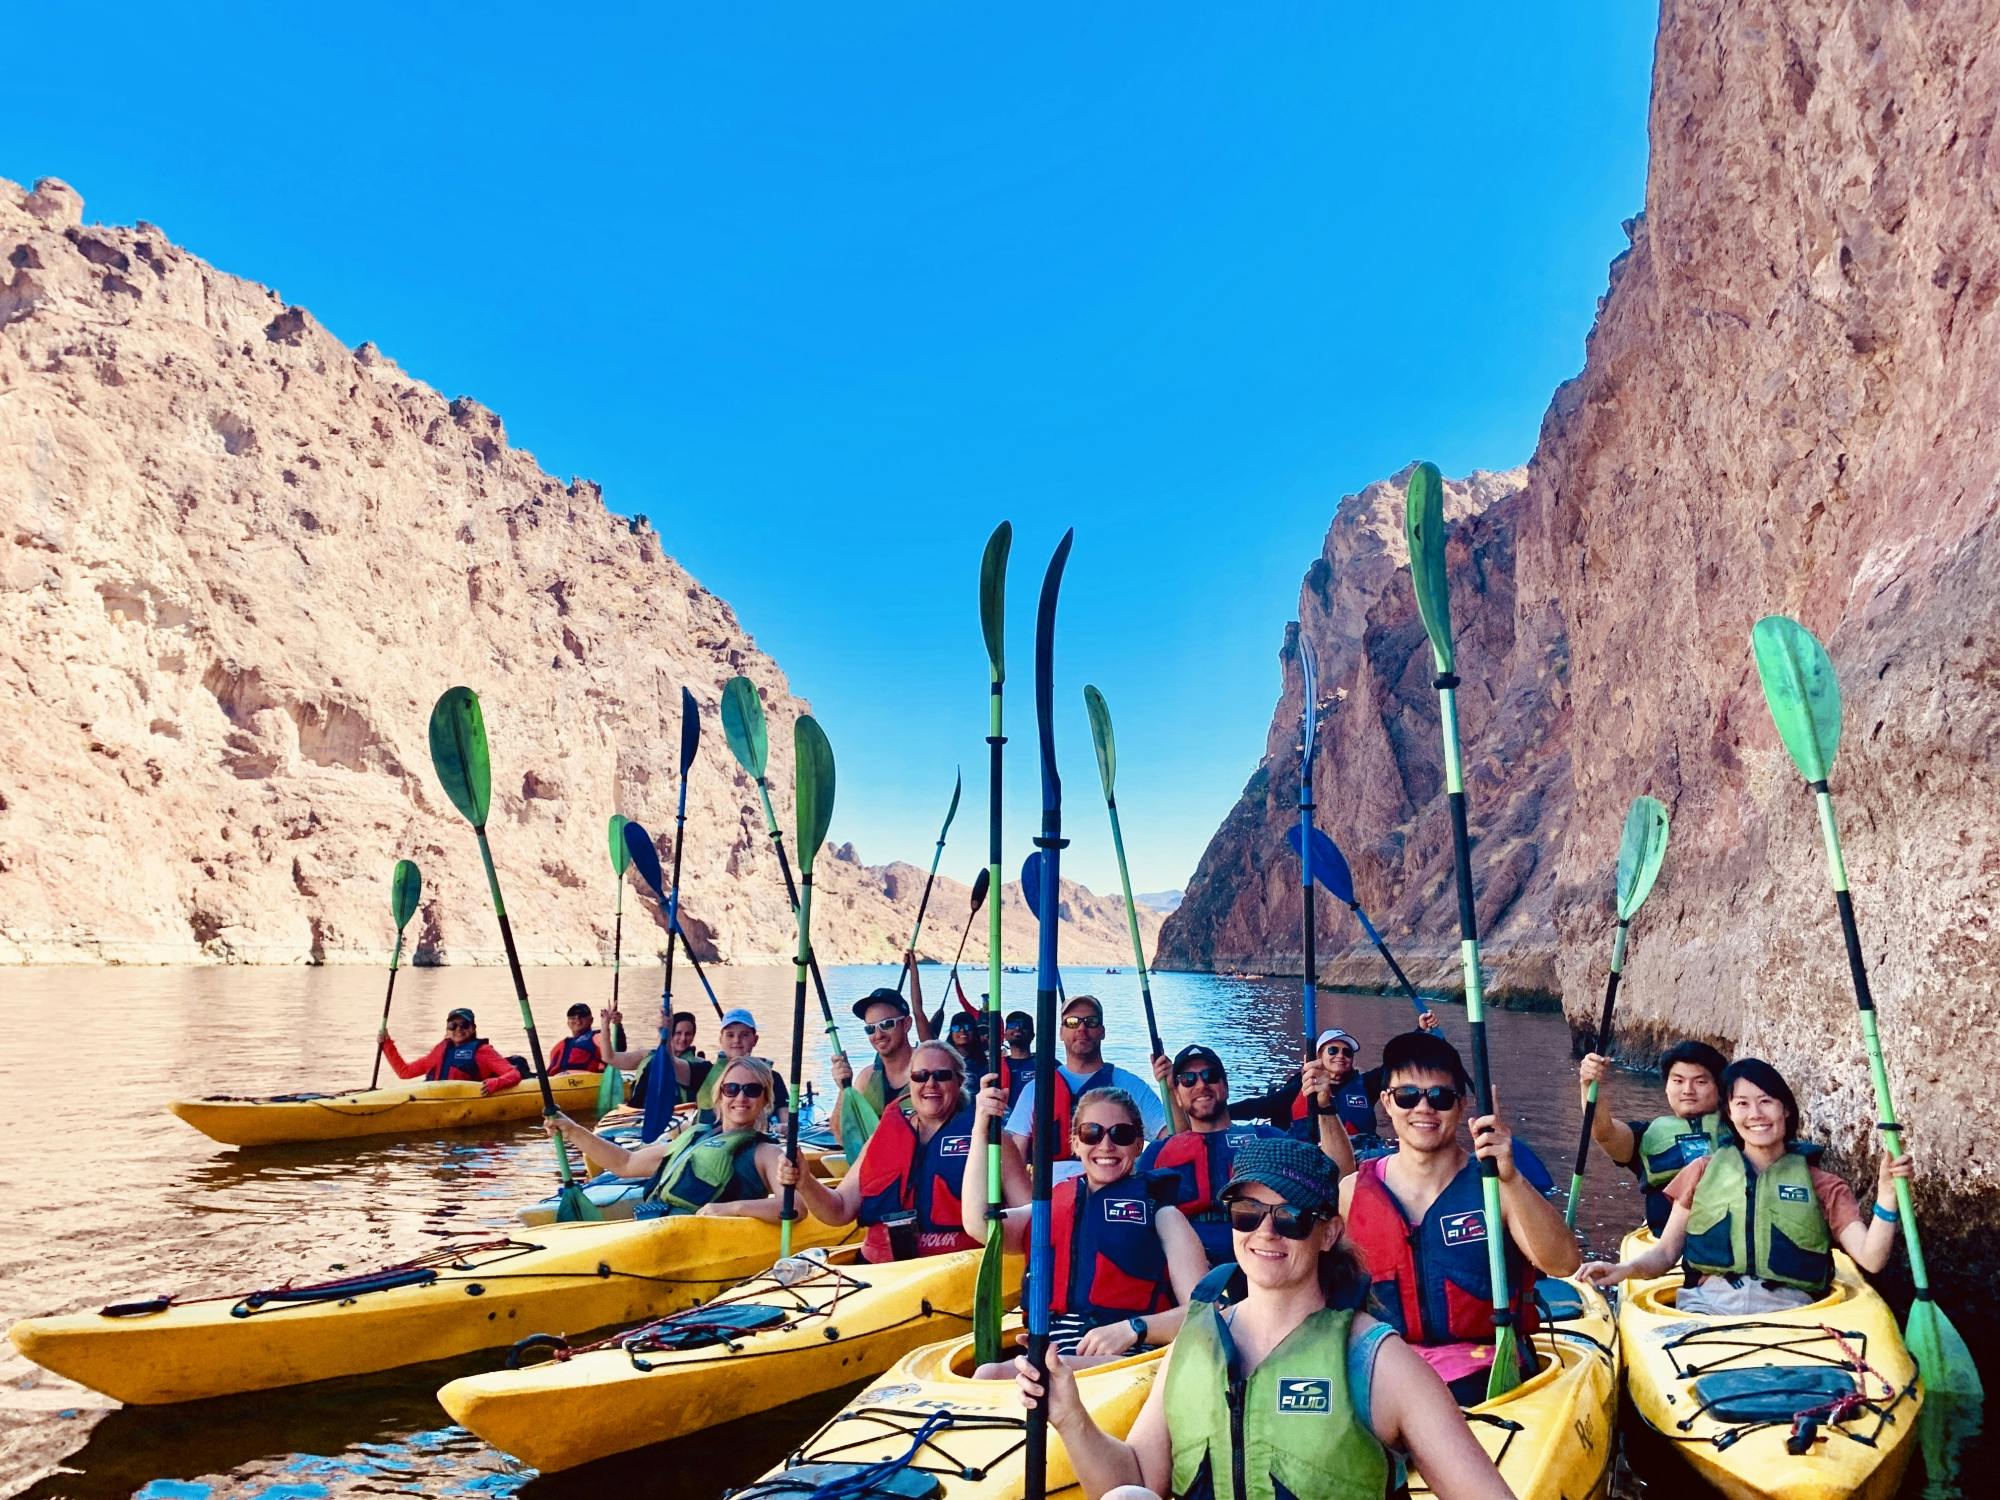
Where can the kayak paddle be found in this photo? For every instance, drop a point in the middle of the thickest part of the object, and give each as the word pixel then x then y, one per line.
pixel 611 1087
pixel 1424 526
pixel 645 857
pixel 1107 772
pixel 1329 868
pixel 1309 725
pixel 854 1118
pixel 1041 1223
pixel 1804 698
pixel 1640 852
pixel 812 760
pixel 465 770
pixel 661 1096
pixel 406 888
pixel 993 625
pixel 981 883
pixel 957 786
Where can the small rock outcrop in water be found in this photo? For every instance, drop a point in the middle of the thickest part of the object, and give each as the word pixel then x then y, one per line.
pixel 1789 405
pixel 238 563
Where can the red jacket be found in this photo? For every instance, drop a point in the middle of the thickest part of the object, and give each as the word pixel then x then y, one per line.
pixel 495 1072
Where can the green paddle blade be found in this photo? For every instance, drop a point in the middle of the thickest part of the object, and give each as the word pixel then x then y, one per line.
pixel 993 597
pixel 610 1086
pixel 813 790
pixel 957 789
pixel 1423 525
pixel 458 753
pixel 1640 854
pixel 986 1298
pixel 1100 736
pixel 621 857
pixel 854 1121
pixel 1941 1355
pixel 406 888
pixel 743 725
pixel 573 1206
pixel 1801 691
pixel 1506 1371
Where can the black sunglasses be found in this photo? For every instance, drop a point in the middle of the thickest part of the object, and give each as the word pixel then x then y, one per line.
pixel 1247 1216
pixel 733 1090
pixel 1344 1051
pixel 1124 1133
pixel 933 1075
pixel 1187 1078
pixel 458 1026
pixel 1439 1096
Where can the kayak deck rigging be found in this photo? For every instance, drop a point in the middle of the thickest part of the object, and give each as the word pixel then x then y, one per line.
pixel 1827 1390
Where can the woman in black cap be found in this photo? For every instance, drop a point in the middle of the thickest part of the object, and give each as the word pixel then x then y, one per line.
pixel 1291 1384
pixel 461 1055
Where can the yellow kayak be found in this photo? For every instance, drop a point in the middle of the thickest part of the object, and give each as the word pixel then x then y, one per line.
pixel 477 1294
pixel 1552 1435
pixel 974 1430
pixel 1734 1396
pixel 404 1109
pixel 808 1325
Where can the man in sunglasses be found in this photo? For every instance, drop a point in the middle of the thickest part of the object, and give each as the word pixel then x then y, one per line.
pixel 885 1022
pixel 1082 1070
pixel 1202 1156
pixel 461 1055
pixel 1417 1218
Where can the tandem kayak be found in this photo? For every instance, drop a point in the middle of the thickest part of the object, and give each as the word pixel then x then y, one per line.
pixel 816 1322
pixel 928 1429
pixel 617 1197
pixel 1551 1437
pixel 475 1294
pixel 1810 1403
pixel 405 1109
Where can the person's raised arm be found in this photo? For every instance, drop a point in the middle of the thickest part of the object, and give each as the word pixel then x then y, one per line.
pixel 1613 1136
pixel 610 1024
pixel 1535 1223
pixel 404 1069
pixel 1872 1241
pixel 1411 1410
pixel 1163 1071
pixel 609 1156
pixel 1336 1144
pixel 991 1105
pixel 1187 1262
pixel 921 1022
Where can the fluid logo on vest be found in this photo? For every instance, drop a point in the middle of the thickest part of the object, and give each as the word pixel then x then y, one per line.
pixel 1300 1394
pixel 1127 1211
pixel 1463 1229
pixel 1792 1193
pixel 955 1145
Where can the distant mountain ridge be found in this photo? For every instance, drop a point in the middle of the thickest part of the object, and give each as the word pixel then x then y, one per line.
pixel 1160 901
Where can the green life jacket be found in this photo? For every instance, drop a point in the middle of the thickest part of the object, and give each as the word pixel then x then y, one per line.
pixel 1767 1225
pixel 1289 1430
pixel 1670 1143
pixel 705 1164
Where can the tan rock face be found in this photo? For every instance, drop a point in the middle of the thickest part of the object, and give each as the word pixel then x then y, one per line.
pixel 239 562
pixel 1789 405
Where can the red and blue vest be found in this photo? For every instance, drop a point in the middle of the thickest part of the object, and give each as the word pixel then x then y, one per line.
pixel 1431 1280
pixel 459 1060
pixel 1350 1101
pixel 577 1054
pixel 901 1174
pixel 1109 1262
pixel 1200 1162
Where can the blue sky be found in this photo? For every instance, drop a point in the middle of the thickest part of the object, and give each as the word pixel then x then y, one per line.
pixel 827 291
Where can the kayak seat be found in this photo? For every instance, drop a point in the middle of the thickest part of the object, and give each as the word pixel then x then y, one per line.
pixel 850 1482
pixel 1771 1393
pixel 699 1327
pixel 1557 1300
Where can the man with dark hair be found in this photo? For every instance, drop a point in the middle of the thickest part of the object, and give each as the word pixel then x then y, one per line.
pixel 578 1052
pixel 1417 1217
pixel 1655 1151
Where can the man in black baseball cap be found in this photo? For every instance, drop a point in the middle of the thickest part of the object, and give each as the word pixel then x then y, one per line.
pixel 885 1021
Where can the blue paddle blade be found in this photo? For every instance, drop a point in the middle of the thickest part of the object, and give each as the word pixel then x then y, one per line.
pixel 1031 883
pixel 645 858
pixel 1329 865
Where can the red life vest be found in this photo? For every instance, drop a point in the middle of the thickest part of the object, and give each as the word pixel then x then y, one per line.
pixel 1109 1262
pixel 577 1054
pixel 1065 1107
pixel 1431 1280
pixel 1350 1102
pixel 458 1060
pixel 901 1174
pixel 1201 1163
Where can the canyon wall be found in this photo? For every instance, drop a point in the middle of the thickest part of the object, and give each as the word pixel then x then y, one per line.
pixel 238 563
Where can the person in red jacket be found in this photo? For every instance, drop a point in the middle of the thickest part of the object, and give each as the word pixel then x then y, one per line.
pixel 461 1055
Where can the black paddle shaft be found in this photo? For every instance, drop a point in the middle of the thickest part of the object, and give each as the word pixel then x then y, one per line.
pixel 1603 1040
pixel 1388 957
pixel 521 994
pixel 1468 931
pixel 790 1211
pixel 375 1073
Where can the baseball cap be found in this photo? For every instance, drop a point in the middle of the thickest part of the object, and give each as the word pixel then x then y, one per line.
pixel 1091 1000
pixel 882 996
pixel 460 1014
pixel 1021 1018
pixel 1335 1034
pixel 1304 1176
pixel 962 1021
pixel 739 1017
pixel 1195 1053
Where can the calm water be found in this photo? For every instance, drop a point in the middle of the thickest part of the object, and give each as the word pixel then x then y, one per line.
pixel 104 1197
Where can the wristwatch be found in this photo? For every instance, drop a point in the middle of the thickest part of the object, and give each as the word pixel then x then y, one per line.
pixel 1138 1329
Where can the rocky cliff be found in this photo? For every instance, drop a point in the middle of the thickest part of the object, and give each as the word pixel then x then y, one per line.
pixel 1790 403
pixel 239 561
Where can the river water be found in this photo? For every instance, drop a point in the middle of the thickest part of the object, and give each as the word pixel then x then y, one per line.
pixel 104 1196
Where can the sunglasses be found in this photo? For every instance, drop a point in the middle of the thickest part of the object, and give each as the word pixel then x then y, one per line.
pixel 1247 1216
pixel 933 1075
pixel 1337 1047
pixel 1083 1023
pixel 734 1090
pixel 872 1028
pixel 1438 1096
pixel 458 1026
pixel 1125 1133
pixel 1187 1078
